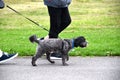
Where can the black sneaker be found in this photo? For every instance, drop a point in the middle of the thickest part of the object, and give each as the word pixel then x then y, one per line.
pixel 6 57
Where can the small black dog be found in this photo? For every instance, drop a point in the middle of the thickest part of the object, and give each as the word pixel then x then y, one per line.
pixel 62 46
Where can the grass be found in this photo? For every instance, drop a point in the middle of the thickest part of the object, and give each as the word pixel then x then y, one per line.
pixel 97 20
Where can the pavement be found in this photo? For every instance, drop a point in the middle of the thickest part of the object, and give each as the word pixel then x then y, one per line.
pixel 80 68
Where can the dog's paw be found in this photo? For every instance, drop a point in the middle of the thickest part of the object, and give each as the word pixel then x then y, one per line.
pixel 65 64
pixel 34 65
pixel 52 62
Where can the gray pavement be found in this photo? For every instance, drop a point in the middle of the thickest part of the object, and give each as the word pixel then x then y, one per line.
pixel 80 68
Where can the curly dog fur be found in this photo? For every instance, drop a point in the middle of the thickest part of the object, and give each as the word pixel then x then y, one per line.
pixel 62 46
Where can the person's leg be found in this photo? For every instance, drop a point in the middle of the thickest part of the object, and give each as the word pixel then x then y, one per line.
pixel 59 20
pixel 55 21
pixel 65 19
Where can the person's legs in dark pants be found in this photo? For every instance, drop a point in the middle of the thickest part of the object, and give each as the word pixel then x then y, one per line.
pixel 59 20
pixel 55 21
pixel 65 19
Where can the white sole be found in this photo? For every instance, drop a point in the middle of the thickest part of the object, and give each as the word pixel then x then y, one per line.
pixel 55 58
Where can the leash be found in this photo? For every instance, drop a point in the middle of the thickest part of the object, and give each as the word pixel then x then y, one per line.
pixel 27 18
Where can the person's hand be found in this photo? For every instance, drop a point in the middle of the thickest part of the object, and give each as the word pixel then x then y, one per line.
pixel 2 5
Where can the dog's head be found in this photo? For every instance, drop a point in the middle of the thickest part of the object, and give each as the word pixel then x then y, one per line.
pixel 80 42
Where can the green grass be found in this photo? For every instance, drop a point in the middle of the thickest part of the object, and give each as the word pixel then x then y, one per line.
pixel 97 20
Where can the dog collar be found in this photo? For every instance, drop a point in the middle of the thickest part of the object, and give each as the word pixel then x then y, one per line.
pixel 72 43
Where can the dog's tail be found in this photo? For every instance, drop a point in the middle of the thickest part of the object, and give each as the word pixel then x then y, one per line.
pixel 33 39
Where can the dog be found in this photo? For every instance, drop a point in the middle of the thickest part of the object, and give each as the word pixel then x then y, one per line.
pixel 56 45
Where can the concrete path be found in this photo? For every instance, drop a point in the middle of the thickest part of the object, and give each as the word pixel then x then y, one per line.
pixel 80 68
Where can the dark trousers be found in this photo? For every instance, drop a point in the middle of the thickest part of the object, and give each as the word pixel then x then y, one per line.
pixel 59 20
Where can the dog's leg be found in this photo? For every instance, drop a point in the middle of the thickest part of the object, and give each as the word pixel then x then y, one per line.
pixel 67 56
pixel 48 57
pixel 63 59
pixel 34 58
